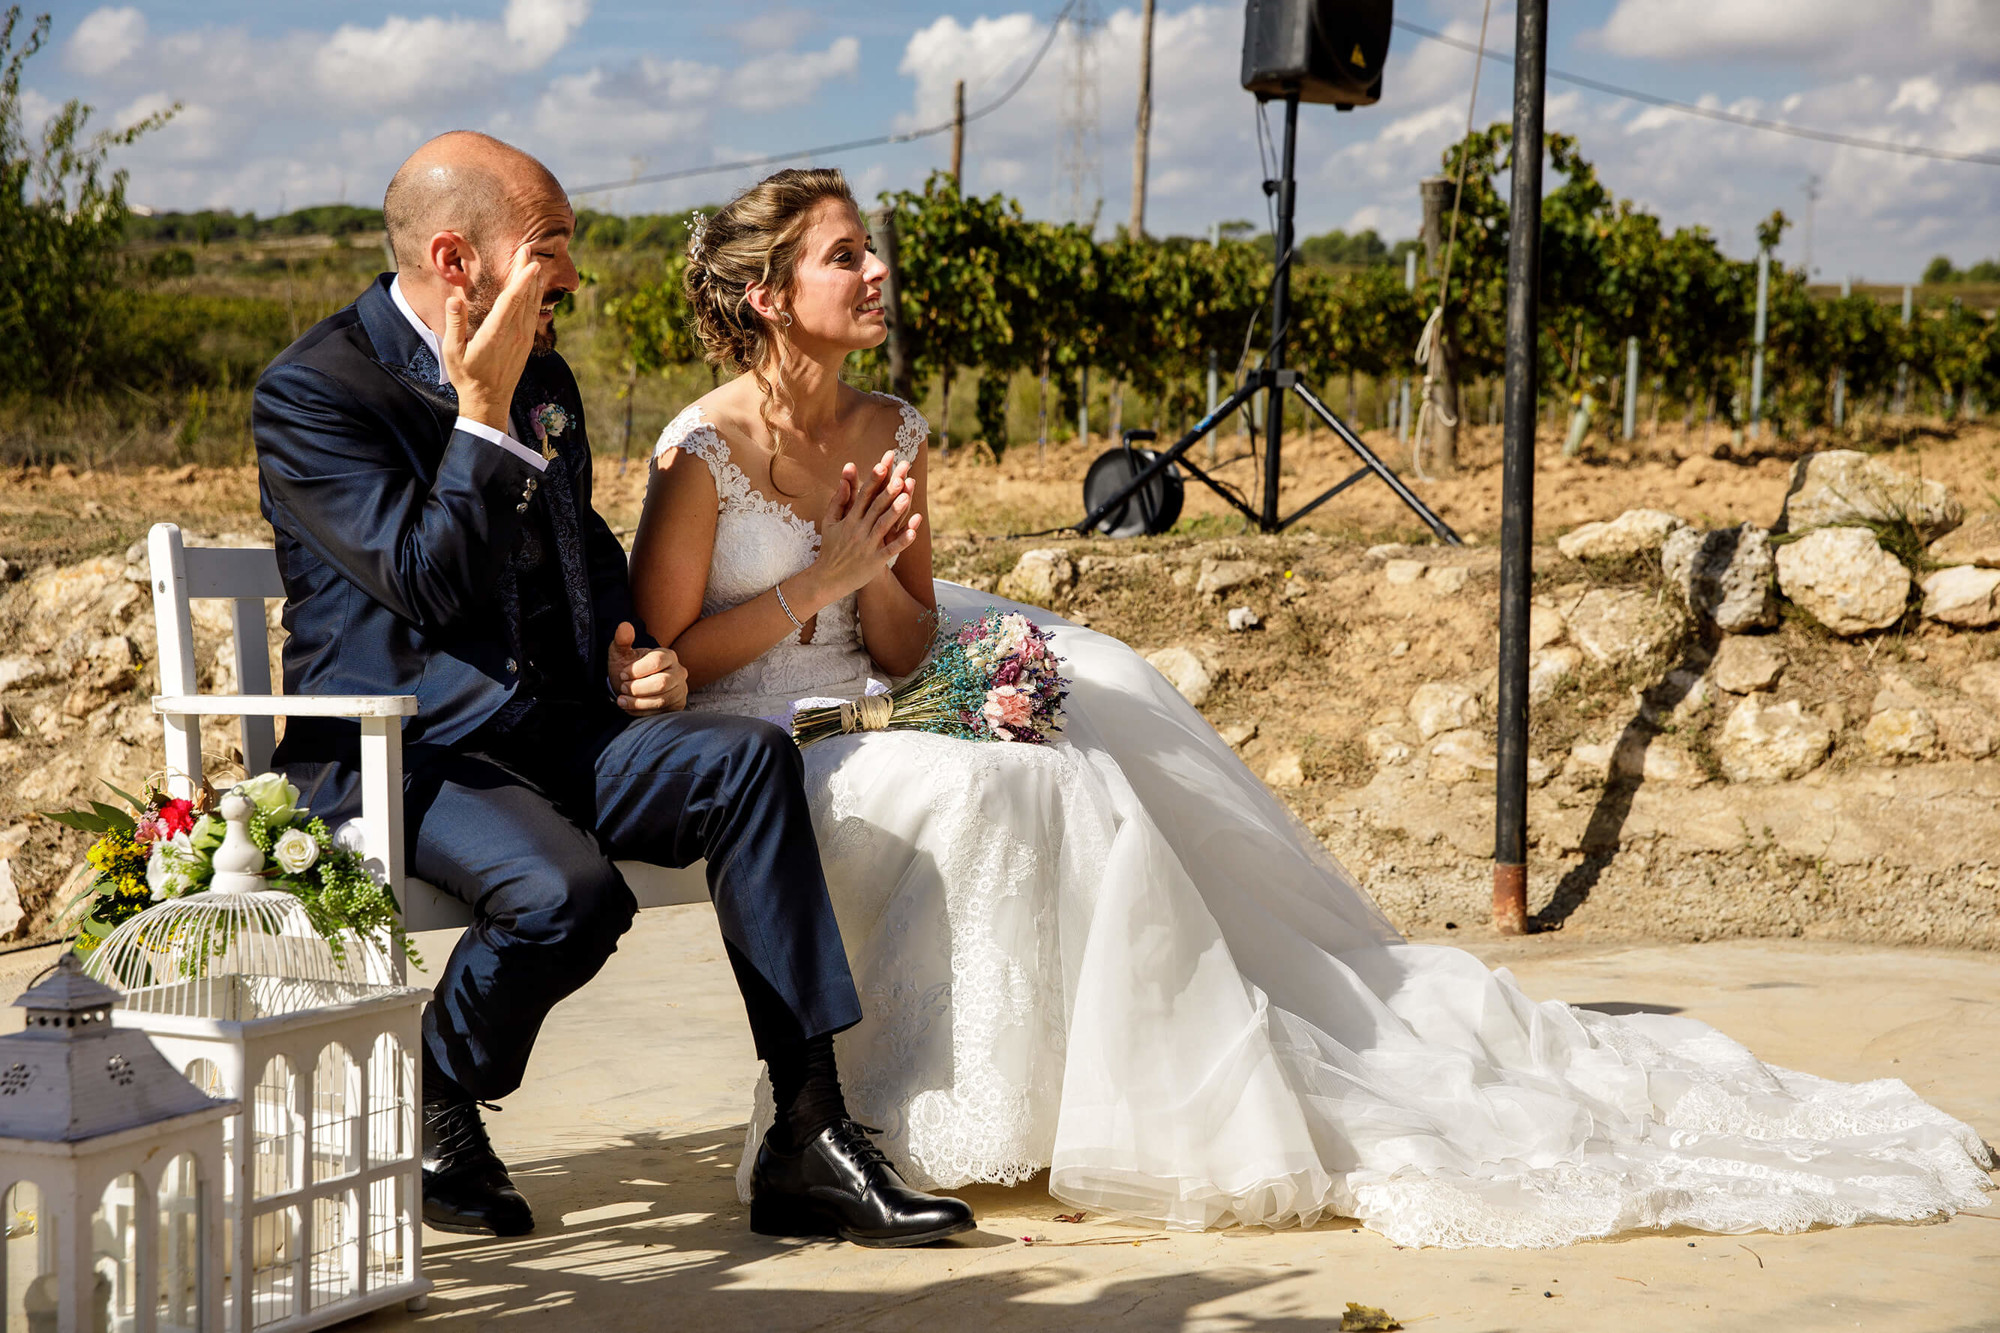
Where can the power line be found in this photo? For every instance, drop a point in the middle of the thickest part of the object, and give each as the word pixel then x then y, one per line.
pixel 1712 113
pixel 906 136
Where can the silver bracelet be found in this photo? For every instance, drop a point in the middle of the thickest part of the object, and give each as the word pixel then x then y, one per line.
pixel 786 606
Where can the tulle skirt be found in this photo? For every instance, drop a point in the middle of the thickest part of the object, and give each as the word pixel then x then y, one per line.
pixel 1121 960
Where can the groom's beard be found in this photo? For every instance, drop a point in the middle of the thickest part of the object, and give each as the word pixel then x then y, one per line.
pixel 479 302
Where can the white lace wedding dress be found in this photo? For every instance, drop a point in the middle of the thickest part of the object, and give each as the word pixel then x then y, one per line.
pixel 1121 960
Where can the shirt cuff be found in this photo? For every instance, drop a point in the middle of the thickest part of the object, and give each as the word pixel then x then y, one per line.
pixel 531 457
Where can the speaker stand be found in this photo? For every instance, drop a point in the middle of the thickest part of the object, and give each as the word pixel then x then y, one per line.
pixel 1273 379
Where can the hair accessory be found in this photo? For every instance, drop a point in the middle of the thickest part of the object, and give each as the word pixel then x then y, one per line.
pixel 697 229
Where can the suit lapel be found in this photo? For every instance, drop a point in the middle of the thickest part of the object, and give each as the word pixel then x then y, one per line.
pixel 558 494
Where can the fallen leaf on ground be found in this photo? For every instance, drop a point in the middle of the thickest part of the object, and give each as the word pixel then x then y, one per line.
pixel 1077 1216
pixel 1367 1319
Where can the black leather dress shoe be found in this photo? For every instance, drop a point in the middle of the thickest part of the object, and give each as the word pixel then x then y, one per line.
pixel 466 1186
pixel 841 1184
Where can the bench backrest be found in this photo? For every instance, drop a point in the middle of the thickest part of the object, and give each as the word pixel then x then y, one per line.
pixel 245 577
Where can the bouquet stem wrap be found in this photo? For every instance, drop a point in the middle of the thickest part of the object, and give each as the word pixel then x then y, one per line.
pixel 871 712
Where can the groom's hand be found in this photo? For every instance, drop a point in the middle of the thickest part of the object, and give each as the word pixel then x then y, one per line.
pixel 484 366
pixel 647 682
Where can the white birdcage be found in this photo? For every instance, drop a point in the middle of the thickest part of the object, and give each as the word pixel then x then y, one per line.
pixel 323 1192
pixel 109 1163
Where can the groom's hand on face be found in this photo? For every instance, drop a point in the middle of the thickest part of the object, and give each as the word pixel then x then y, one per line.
pixel 653 681
pixel 484 366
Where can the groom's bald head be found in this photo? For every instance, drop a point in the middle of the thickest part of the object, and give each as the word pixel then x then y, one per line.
pixel 468 183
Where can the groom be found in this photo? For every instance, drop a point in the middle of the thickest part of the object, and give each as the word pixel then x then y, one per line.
pixel 422 459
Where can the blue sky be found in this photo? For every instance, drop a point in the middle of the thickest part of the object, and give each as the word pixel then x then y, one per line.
pixel 291 103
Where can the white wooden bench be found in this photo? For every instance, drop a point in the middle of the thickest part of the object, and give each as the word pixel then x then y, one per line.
pixel 247 577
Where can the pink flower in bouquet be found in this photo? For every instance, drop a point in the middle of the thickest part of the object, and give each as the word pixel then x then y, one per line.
pixel 1008 710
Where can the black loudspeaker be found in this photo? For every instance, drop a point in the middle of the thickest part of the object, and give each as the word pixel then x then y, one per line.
pixel 1327 51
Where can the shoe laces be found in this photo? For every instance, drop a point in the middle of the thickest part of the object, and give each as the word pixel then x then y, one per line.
pixel 457 1129
pixel 853 1136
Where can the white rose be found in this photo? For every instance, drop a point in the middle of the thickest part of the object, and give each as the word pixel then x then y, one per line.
pixel 276 799
pixel 168 866
pixel 295 850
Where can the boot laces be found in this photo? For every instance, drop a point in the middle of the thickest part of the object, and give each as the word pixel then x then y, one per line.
pixel 855 1138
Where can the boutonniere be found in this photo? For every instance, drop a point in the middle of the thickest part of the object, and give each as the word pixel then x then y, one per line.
pixel 550 421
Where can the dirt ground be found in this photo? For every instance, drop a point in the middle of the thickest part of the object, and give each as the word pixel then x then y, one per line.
pixel 1339 651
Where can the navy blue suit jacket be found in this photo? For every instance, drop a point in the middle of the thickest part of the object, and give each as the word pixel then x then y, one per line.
pixel 393 529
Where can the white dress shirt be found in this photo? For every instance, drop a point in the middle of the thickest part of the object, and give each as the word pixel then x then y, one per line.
pixel 532 457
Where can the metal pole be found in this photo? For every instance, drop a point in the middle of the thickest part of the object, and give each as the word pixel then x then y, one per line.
pixel 1631 387
pixel 1214 368
pixel 1083 404
pixel 1281 314
pixel 1517 479
pixel 1145 125
pixel 1403 382
pixel 1757 345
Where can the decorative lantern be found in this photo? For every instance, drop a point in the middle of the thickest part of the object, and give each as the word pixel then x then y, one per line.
pixel 109 1167
pixel 322 1192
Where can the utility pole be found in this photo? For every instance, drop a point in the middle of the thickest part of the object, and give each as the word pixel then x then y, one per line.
pixel 1811 188
pixel 1083 404
pixel 1440 442
pixel 1214 369
pixel 958 134
pixel 1757 343
pixel 1517 479
pixel 1137 228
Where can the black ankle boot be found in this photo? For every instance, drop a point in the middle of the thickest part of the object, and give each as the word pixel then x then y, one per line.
pixel 466 1186
pixel 841 1184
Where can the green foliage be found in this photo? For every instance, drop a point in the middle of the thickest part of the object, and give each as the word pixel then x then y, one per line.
pixel 62 221
pixel 1940 270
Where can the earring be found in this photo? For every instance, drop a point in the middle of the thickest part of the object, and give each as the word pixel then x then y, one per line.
pixel 786 315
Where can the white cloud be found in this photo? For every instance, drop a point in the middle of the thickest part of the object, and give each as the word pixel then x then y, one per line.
pixel 792 78
pixel 1847 34
pixel 106 39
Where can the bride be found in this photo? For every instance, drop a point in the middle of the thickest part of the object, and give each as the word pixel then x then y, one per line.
pixel 1118 958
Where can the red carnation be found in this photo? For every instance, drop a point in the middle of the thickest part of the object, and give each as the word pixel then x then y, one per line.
pixel 177 816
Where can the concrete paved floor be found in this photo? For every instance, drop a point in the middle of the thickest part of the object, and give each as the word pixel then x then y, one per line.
pixel 627 1135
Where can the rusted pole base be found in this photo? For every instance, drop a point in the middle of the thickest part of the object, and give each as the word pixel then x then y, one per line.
pixel 1510 899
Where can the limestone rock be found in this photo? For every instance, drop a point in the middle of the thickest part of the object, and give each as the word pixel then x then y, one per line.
pixel 1900 733
pixel 1982 681
pixel 1844 486
pixel 1287 770
pixel 10 570
pixel 1963 595
pixel 1461 756
pixel 1549 668
pixel 1634 532
pixel 1616 626
pixel 1388 744
pixel 1448 579
pixel 1039 577
pixel 1184 672
pixel 1977 542
pixel 1545 626
pixel 1724 576
pixel 1746 665
pixel 1760 743
pixel 1844 579
pixel 1238 734
pixel 10 900
pixel 1967 731
pixel 1659 761
pixel 1442 706
pixel 1221 576
pixel 1242 618
pixel 26 673
pixel 1402 572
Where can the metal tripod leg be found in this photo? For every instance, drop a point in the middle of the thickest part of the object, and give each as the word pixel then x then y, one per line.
pixel 1370 464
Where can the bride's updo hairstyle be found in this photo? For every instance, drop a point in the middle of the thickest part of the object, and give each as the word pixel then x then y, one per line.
pixel 754 239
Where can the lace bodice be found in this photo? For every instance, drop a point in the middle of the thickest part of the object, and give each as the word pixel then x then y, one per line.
pixel 758 542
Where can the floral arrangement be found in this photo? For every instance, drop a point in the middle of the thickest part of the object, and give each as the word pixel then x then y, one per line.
pixel 164 847
pixel 991 679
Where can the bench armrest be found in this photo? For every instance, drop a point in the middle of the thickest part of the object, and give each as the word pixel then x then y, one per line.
pixel 286 705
